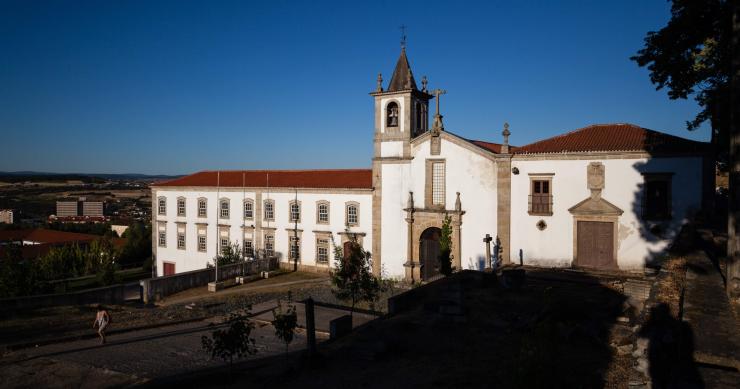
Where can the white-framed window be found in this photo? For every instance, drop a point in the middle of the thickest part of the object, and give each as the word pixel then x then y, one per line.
pixel 438 183
pixel 224 244
pixel 269 210
pixel 224 209
pixel 322 213
pixel 353 214
pixel 248 248
pixel 180 206
pixel 269 245
pixel 162 239
pixel 295 212
pixel 161 206
pixel 294 247
pixel 202 243
pixel 322 250
pixel 181 240
pixel 202 207
pixel 248 209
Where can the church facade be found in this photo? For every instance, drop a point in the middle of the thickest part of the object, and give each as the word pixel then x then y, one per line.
pixel 604 196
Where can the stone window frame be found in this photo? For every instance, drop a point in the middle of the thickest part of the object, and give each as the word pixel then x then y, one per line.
pixel 221 245
pixel 221 209
pixel 162 205
pixel 202 248
pixel 666 177
pixel 388 114
pixel 250 252
pixel 271 202
pixel 271 235
pixel 323 240
pixel 250 203
pixel 181 206
pixel 347 206
pixel 429 184
pixel 291 204
pixel 291 239
pixel 318 212
pixel 540 177
pixel 181 239
pixel 162 238
pixel 202 211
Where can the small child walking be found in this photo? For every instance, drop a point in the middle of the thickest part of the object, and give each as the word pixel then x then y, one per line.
pixel 102 319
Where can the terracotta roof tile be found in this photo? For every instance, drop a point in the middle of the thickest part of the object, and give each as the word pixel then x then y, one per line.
pixel 492 147
pixel 41 235
pixel 330 179
pixel 613 137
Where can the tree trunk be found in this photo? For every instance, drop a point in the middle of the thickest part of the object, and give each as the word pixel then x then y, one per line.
pixel 733 217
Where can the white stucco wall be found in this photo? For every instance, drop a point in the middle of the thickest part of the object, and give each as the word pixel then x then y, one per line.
pixel 623 183
pixel 396 182
pixel 391 149
pixel 192 259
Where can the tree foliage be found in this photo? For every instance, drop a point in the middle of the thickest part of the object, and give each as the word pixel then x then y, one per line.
pixel 285 322
pixel 445 247
pixel 138 247
pixel 234 341
pixel 691 55
pixel 352 278
pixel 229 254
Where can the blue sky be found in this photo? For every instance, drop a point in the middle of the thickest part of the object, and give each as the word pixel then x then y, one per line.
pixel 175 87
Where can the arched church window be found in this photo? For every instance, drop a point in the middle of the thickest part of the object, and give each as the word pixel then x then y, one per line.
pixel 392 114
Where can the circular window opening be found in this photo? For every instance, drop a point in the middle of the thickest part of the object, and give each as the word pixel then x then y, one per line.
pixel 541 225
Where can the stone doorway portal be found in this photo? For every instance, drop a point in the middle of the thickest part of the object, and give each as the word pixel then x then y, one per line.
pixel 429 253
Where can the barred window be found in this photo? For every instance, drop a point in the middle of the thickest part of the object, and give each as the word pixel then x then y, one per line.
pixel 438 183
pixel 202 207
pixel 162 239
pixel 322 250
pixel 323 213
pixel 201 243
pixel 224 209
pixel 540 199
pixel 162 206
pixel 181 241
pixel 248 209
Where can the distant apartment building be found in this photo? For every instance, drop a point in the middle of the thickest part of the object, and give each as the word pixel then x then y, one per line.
pixel 6 216
pixel 79 211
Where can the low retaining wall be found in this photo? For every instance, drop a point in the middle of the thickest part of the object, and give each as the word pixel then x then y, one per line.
pixel 154 289
pixel 324 269
pixel 106 295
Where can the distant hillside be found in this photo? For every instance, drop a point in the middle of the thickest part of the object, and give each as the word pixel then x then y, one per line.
pixel 30 176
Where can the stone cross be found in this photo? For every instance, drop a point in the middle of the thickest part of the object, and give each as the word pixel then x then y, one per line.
pixel 380 82
pixel 437 93
pixel 487 240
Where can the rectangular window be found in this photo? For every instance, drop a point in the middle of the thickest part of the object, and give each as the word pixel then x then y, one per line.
pixel 224 244
pixel 224 209
pixel 323 213
pixel 248 210
pixel 295 212
pixel 269 210
pixel 269 245
pixel 181 241
pixel 294 247
pixel 180 207
pixel 248 248
pixel 657 197
pixel 162 207
pixel 201 208
pixel 201 243
pixel 540 198
pixel 352 217
pixel 162 239
pixel 322 250
pixel 438 183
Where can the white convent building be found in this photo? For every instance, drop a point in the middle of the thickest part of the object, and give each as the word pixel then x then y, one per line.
pixel 607 196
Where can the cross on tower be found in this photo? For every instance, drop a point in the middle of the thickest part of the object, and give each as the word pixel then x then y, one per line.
pixel 403 36
pixel 437 93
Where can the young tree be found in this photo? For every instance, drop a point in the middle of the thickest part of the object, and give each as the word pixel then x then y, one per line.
pixel 352 278
pixel 230 254
pixel 445 247
pixel 234 341
pixel 285 322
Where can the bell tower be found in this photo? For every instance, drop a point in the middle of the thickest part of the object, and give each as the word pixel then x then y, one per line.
pixel 401 111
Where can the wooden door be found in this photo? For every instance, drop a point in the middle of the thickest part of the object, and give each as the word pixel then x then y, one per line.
pixel 429 253
pixel 595 245
pixel 169 268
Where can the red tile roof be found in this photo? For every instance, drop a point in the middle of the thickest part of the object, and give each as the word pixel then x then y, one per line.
pixel 40 235
pixel 614 137
pixel 331 179
pixel 492 147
